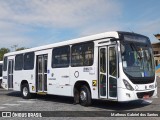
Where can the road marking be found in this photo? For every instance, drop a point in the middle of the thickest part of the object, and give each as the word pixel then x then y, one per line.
pixel 11 104
pixel 25 101
pixel 2 107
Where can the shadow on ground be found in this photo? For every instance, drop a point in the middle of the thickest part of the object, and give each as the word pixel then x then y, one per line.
pixel 105 105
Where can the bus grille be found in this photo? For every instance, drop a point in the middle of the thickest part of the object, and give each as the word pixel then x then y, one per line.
pixel 141 94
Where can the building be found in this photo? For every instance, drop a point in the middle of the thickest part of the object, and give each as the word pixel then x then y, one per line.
pixel 157 36
pixel 156 51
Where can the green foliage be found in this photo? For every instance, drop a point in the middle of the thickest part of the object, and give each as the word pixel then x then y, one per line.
pixel 2 52
pixel 6 50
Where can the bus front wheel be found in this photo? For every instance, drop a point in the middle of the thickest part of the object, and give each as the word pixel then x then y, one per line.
pixel 85 96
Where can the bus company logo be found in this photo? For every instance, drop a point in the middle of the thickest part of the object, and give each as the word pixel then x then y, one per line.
pixel 6 114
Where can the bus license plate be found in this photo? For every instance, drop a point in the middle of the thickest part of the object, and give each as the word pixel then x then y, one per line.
pixel 145 96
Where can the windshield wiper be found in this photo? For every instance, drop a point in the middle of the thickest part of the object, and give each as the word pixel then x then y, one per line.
pixel 133 46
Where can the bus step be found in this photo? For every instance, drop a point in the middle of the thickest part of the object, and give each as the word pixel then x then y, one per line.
pixel 42 93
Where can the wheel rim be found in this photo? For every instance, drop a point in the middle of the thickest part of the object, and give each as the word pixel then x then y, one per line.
pixel 83 95
pixel 25 91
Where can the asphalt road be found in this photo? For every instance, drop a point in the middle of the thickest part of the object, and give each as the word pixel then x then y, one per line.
pixel 12 101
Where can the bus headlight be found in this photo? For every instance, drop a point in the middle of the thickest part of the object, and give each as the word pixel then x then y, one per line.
pixel 128 86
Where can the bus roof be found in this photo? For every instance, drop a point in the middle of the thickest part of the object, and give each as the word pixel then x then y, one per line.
pixel 68 42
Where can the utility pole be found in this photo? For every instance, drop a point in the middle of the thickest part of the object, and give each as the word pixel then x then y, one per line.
pixel 14 47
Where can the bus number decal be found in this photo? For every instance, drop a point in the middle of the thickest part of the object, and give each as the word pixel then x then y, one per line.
pixel 94 82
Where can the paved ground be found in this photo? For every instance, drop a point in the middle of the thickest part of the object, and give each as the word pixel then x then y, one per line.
pixel 12 101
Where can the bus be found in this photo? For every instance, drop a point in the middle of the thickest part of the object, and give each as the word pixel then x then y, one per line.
pixel 1 63
pixel 116 66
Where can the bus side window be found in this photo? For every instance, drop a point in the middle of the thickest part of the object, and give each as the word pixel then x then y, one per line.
pixel 19 62
pixel 5 64
pixel 82 54
pixel 61 57
pixel 29 61
pixel 0 70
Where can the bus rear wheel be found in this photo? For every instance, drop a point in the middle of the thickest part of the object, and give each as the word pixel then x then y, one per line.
pixel 85 96
pixel 25 91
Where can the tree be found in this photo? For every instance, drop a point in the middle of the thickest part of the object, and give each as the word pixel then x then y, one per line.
pixel 2 52
pixel 21 48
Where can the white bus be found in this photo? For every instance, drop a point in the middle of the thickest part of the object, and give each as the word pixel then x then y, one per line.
pixel 1 65
pixel 115 66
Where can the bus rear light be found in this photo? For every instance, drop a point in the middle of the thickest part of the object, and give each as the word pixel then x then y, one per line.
pixel 128 86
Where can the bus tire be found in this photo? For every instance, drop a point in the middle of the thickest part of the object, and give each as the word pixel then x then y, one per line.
pixel 25 91
pixel 85 96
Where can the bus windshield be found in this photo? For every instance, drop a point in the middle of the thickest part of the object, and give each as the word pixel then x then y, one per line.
pixel 137 61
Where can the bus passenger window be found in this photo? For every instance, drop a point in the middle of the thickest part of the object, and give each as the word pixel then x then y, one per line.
pixel 0 70
pixel 61 57
pixel 19 62
pixel 5 63
pixel 82 54
pixel 29 61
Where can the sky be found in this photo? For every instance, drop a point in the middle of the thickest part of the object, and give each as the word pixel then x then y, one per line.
pixel 32 23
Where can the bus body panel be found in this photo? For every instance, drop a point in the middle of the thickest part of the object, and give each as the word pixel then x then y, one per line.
pixel 27 75
pixel 79 74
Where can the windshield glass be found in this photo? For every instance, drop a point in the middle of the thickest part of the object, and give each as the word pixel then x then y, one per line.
pixel 137 60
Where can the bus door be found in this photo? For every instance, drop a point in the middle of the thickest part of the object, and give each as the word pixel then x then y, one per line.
pixel 10 74
pixel 41 79
pixel 108 72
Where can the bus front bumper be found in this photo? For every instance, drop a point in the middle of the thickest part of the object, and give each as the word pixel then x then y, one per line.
pixel 125 95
